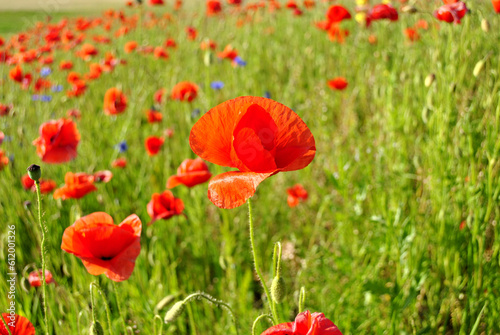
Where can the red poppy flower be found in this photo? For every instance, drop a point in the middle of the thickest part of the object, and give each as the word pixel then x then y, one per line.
pixel 153 144
pixel 58 141
pixel 78 87
pixel 2 136
pixel 5 109
pixel 381 12
pixel 258 136
pixel 291 4
pixel 191 172
pixel 296 194
pixel 35 278
pixel 451 13
pixel 191 32
pixel 156 2
pixel 496 5
pixel 115 102
pixel 208 44
pixel 27 182
pixel 159 94
pixel 337 13
pixel 103 176
pixel 46 186
pixel 16 74
pixel 159 52
pixel 130 46
pixel 119 163
pixel 154 116
pixel 412 34
pixel 87 51
pixel 170 43
pixel 103 247
pixel 66 65
pixel 77 185
pixel 164 206
pixel 213 7
pixel 305 324
pixel 422 24
pixel 228 53
pixel 21 325
pixel 184 91
pixel 4 160
pixel 447 2
pixel 178 4
pixel 339 83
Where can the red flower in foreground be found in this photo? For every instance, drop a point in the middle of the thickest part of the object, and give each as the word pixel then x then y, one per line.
pixel 339 83
pixel 153 144
pixel 305 324
pixel 115 101
pixel 296 194
pixel 496 5
pixel 35 278
pixel 22 326
pixel 77 185
pixel 4 160
pixel 191 172
pixel 103 247
pixel 119 163
pixel 164 206
pixel 453 12
pixel 184 91
pixel 258 136
pixel 380 12
pixel 58 141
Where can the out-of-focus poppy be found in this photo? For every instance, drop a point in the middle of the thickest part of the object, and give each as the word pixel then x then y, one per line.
pixel 296 194
pixel 103 247
pixel 87 51
pixel 422 24
pixel 58 141
pixel 159 52
pixel 74 113
pixel 337 13
pixel 156 2
pixel 291 4
pixel 191 33
pixel 103 176
pixel 170 43
pixel 18 325
pixel 496 5
pixel 258 136
pixel 164 206
pixel 451 13
pixel 78 87
pixel 16 74
pixel 184 91
pixel 2 136
pixel 130 46
pixel 309 3
pixel 46 186
pixel 381 12
pixel 213 7
pixel 169 132
pixel 208 44
pixel 119 163
pixel 115 102
pixel 35 278
pixel 191 172
pixel 305 324
pixel 65 65
pixel 154 116
pixel 5 109
pixel 153 145
pixel 4 160
pixel 77 185
pixel 412 34
pixel 228 53
pixel 177 4
pixel 339 83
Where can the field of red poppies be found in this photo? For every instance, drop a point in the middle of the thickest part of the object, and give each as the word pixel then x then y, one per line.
pixel 306 167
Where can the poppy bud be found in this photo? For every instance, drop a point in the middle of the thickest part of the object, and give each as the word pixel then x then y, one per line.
pixel 96 329
pixel 34 172
pixel 409 9
pixel 208 58
pixel 485 25
pixel 278 289
pixel 175 311
pixel 429 80
pixel 478 68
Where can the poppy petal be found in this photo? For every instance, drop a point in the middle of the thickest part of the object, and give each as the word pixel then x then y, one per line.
pixel 232 189
pixel 281 329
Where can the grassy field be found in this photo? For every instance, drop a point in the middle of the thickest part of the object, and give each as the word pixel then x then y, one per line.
pixel 400 232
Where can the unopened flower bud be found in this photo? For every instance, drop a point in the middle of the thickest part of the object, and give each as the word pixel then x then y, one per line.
pixel 175 312
pixel 208 58
pixel 34 172
pixel 96 329
pixel 429 80
pixel 278 289
pixel 485 25
pixel 409 9
pixel 478 68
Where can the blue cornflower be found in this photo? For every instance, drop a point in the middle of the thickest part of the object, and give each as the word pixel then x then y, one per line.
pixel 217 85
pixel 46 98
pixel 239 61
pixel 57 88
pixel 45 71
pixel 35 97
pixel 122 146
pixel 195 113
pixel 267 94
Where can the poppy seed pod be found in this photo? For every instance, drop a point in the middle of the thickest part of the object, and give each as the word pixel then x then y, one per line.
pixel 34 172
pixel 429 80
pixel 478 68
pixel 278 289
pixel 485 25
pixel 96 328
pixel 175 311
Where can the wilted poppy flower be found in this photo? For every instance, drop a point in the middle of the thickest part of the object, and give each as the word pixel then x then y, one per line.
pixel 58 141
pixel 130 46
pixel 339 83
pixel 295 194
pixel 119 163
pixel 115 101
pixel 164 206
pixel 258 136
pixel 35 278
pixel 153 144
pixel 305 324
pixel 184 91
pixel 191 172
pixel 154 116
pixel 381 12
pixel 18 325
pixel 77 185
pixel 451 13
pixel 4 160
pixel 496 5
pixel 213 7
pixel 103 176
pixel 103 247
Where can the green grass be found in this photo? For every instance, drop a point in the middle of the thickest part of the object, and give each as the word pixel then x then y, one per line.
pixel 377 245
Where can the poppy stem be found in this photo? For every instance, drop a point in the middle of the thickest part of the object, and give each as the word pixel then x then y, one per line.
pixel 260 317
pixel 256 264
pixel 106 305
pixel 118 303
pixel 43 229
pixel 157 317
pixel 92 302
pixel 5 324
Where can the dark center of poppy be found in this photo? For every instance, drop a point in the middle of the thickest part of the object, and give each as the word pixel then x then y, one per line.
pixel 106 258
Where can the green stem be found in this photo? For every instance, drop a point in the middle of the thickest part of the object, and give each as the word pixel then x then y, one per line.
pixel 106 305
pixel 92 302
pixel 118 302
pixel 5 324
pixel 256 263
pixel 44 284
pixel 157 317
pixel 258 319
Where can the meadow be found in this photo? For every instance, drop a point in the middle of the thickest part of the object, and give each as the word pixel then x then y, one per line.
pixel 399 233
